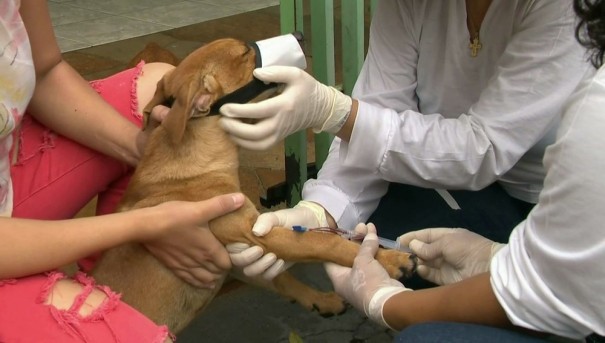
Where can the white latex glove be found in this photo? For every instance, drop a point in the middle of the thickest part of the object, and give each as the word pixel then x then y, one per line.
pixel 450 255
pixel 252 260
pixel 304 103
pixel 366 286
pixel 253 263
pixel 305 213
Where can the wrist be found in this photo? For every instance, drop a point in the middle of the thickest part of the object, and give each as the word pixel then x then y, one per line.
pixel 337 113
pixel 376 306
pixel 318 212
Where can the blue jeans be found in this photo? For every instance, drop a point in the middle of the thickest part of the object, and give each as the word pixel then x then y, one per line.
pixel 436 332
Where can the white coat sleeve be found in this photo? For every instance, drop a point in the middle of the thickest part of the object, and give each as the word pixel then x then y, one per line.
pixel 550 277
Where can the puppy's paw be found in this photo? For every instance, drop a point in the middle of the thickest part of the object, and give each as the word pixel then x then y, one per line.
pixel 327 304
pixel 397 263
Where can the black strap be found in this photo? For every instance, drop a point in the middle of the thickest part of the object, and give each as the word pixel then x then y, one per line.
pixel 242 95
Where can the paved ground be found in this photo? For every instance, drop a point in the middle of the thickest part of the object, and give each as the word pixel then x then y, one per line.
pixel 250 314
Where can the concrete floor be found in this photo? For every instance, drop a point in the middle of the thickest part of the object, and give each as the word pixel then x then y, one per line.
pixel 242 313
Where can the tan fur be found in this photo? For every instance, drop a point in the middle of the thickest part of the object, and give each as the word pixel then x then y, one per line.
pixel 189 158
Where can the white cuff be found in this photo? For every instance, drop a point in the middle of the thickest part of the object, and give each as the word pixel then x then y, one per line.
pixel 376 305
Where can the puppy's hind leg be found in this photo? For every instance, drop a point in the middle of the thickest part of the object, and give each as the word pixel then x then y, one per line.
pixel 325 303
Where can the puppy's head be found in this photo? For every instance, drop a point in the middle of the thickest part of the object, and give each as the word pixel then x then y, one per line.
pixel 203 77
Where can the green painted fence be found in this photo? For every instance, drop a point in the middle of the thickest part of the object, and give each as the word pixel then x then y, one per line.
pixel 320 16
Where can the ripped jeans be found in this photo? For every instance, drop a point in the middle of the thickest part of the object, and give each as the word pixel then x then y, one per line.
pixel 28 315
pixel 53 178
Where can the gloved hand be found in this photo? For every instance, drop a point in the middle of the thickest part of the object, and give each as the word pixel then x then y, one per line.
pixel 450 255
pixel 305 213
pixel 366 286
pixel 304 103
pixel 253 263
pixel 251 259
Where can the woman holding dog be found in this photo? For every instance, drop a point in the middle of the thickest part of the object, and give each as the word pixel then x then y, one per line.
pixel 62 141
pixel 546 281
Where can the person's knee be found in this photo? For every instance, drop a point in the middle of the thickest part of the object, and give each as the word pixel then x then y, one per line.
pixel 65 293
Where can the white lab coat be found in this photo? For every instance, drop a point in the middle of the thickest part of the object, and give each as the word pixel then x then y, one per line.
pixel 430 115
pixel 551 276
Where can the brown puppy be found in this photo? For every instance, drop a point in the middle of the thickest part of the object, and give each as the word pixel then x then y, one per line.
pixel 189 157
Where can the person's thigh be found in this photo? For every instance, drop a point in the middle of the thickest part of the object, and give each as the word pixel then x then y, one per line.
pixel 437 332
pixel 50 308
pixel 54 177
pixel 490 212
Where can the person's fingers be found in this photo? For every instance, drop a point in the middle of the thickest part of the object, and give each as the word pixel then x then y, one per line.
pixel 261 145
pixel 247 257
pixel 159 113
pixel 220 205
pixel 361 229
pixel 254 110
pixel 275 269
pixel 234 248
pixel 369 246
pixel 261 265
pixel 278 74
pixel 424 235
pixel 425 251
pixel 247 131
pixel 264 223
pixel 190 279
pixel 336 273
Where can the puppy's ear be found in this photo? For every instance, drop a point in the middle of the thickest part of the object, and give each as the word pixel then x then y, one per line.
pixel 207 95
pixel 193 100
pixel 159 97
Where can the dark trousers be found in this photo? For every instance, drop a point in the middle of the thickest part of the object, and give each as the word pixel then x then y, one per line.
pixel 436 332
pixel 490 212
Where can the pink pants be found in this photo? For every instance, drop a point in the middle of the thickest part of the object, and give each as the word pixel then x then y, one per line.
pixel 54 178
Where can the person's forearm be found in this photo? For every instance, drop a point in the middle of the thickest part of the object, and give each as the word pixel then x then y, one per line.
pixel 34 246
pixel 469 301
pixel 65 103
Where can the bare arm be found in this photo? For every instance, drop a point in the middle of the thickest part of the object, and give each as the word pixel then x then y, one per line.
pixel 471 301
pixel 32 246
pixel 63 100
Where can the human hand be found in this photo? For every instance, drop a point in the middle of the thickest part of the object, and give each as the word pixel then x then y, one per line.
pixel 182 241
pixel 252 261
pixel 305 213
pixel 366 286
pixel 304 103
pixel 450 255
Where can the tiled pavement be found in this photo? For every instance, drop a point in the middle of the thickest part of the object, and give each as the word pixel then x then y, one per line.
pixel 242 313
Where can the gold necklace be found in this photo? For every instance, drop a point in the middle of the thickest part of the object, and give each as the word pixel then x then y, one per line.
pixel 475 44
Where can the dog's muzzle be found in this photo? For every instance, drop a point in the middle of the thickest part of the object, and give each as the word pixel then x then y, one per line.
pixel 284 50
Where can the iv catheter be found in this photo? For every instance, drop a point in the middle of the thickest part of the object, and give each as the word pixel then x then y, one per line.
pixel 352 236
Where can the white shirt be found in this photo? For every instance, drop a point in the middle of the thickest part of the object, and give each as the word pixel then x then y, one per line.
pixel 17 82
pixel 431 115
pixel 551 275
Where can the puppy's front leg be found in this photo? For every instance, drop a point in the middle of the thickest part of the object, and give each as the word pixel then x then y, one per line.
pixel 327 247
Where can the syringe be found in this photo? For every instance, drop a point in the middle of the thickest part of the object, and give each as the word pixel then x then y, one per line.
pixel 351 235
pixel 391 244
